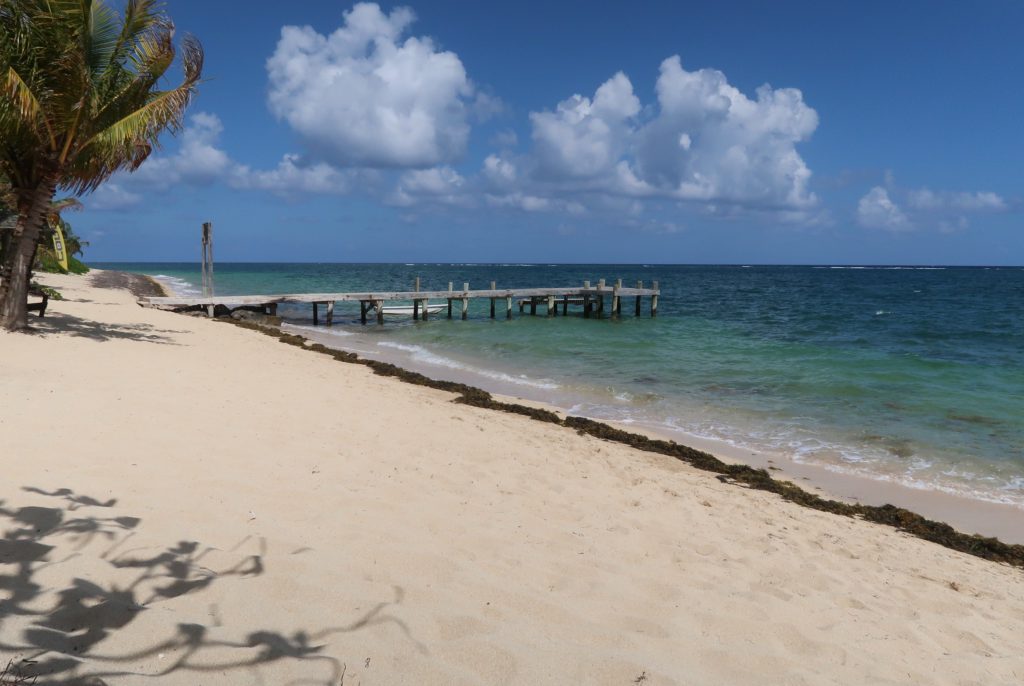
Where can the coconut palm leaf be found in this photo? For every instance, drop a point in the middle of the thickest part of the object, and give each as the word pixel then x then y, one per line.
pixel 82 98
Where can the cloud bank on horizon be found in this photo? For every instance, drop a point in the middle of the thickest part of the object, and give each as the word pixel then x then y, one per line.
pixel 380 112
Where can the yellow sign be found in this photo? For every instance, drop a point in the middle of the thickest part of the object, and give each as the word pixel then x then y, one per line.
pixel 59 247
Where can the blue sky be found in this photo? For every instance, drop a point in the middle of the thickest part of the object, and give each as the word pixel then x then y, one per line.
pixel 789 132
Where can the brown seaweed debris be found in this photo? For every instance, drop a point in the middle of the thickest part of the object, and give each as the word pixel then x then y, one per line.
pixel 739 474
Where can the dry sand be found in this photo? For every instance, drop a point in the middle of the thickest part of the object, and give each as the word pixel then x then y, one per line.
pixel 187 499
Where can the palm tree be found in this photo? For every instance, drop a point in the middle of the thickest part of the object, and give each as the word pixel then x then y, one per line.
pixel 7 215
pixel 79 100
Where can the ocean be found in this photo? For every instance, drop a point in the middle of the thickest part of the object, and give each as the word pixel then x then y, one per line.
pixel 913 375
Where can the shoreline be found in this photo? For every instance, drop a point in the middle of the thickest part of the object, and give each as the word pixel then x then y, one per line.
pixel 737 472
pixel 969 515
pixel 216 506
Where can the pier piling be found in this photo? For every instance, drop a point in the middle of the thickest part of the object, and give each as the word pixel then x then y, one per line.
pixel 416 302
pixel 589 298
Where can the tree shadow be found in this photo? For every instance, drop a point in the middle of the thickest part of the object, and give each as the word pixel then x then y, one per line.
pixel 62 323
pixel 68 635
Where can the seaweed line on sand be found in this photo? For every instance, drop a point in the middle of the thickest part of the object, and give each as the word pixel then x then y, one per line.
pixel 737 474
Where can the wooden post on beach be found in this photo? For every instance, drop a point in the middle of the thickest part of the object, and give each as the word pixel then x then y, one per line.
pixel 207 244
pixel 565 305
pixel 449 300
pixel 379 304
pixel 600 299
pixel 533 305
pixel 654 301
pixel 616 303
pixel 586 301
pixel 363 307
pixel 508 307
pixel 465 300
pixel 639 284
pixel 316 318
pixel 330 312
pixel 494 286
pixel 416 302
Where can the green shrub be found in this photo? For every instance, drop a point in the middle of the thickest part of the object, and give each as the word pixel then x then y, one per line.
pixel 47 262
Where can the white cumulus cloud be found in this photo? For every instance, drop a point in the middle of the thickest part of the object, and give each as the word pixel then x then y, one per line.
pixel 438 184
pixel 704 143
pixel 899 209
pixel 929 200
pixel 711 142
pixel 364 96
pixel 876 210
pixel 112 196
pixel 198 159
pixel 293 176
pixel 585 138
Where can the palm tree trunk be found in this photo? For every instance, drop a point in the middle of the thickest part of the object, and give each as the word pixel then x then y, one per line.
pixel 16 267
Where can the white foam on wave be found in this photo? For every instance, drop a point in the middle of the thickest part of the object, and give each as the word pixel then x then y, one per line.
pixel 918 473
pixel 326 330
pixel 177 286
pixel 422 355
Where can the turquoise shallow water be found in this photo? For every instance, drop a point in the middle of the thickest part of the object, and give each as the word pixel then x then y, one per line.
pixel 914 375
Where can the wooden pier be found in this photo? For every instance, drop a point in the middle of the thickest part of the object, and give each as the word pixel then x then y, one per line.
pixel 599 301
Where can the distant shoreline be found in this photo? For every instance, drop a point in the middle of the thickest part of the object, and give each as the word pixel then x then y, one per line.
pixel 824 265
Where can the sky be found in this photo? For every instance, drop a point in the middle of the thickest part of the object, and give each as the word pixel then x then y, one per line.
pixel 618 132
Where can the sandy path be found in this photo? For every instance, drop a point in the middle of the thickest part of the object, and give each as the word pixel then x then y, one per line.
pixel 238 511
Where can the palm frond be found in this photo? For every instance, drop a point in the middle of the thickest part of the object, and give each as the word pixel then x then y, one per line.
pixel 101 37
pixel 66 204
pixel 140 17
pixel 26 105
pixel 87 80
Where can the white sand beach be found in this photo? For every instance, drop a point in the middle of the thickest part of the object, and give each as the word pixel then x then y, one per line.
pixel 185 499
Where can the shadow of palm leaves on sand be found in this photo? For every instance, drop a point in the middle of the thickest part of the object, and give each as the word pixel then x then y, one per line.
pixel 67 636
pixel 57 323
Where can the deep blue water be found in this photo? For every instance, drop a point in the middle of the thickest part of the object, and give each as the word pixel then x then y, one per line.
pixel 908 374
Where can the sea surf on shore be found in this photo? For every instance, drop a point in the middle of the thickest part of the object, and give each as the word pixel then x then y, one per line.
pixel 911 375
